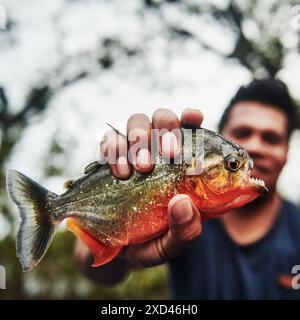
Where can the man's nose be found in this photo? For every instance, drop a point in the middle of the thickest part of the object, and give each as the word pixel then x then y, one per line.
pixel 254 146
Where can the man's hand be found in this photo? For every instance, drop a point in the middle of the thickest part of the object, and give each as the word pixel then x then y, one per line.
pixel 184 217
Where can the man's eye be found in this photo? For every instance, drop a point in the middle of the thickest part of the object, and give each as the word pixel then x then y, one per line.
pixel 241 133
pixel 272 138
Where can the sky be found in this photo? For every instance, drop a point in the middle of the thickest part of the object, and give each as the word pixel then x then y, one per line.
pixel 51 35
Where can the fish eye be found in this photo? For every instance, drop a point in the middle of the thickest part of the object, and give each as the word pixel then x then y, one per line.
pixel 232 163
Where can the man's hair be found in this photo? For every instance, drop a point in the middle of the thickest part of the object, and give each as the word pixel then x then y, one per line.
pixel 271 92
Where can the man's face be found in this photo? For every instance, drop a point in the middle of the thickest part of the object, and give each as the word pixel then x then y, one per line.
pixel 262 130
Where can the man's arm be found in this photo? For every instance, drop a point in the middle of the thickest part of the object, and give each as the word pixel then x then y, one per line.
pixel 184 217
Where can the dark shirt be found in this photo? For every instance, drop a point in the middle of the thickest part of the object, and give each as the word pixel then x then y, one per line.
pixel 215 267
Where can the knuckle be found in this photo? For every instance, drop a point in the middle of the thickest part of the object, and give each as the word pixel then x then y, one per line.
pixel 191 234
pixel 161 250
pixel 142 259
pixel 195 235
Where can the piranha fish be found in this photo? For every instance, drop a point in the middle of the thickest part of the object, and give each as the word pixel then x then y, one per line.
pixel 107 213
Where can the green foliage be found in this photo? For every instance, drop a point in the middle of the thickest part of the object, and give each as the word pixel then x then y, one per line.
pixel 58 278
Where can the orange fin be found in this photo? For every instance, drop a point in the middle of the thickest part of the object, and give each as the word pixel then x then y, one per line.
pixel 102 253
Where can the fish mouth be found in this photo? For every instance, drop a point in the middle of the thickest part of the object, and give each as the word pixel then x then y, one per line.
pixel 257 185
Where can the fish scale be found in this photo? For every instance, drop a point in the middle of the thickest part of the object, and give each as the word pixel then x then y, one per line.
pixel 107 213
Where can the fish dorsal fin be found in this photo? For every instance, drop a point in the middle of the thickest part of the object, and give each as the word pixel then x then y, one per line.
pixel 103 253
pixel 92 167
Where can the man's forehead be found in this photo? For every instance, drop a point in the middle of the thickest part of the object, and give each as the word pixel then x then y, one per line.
pixel 257 115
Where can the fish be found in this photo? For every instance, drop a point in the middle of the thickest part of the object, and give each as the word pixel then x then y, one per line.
pixel 108 214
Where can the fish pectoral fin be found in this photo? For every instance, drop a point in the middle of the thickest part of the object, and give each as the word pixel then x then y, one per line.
pixel 105 254
pixel 102 253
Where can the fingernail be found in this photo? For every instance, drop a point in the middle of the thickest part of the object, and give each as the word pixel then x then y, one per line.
pixel 191 118
pixel 143 158
pixel 182 211
pixel 169 144
pixel 122 166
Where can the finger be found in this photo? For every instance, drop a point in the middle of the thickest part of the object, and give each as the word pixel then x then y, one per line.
pixel 169 142
pixel 185 227
pixel 184 219
pixel 139 133
pixel 123 170
pixel 191 118
pixel 113 148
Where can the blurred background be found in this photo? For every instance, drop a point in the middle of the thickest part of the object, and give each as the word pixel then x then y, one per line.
pixel 69 66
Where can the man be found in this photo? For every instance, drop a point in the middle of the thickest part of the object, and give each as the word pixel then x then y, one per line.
pixel 248 253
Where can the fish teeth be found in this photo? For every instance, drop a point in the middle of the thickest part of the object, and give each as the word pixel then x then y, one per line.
pixel 258 181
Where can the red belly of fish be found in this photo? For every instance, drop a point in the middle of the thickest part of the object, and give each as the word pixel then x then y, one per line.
pixel 149 225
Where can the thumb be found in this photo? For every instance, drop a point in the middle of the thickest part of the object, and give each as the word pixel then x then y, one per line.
pixel 184 219
pixel 185 227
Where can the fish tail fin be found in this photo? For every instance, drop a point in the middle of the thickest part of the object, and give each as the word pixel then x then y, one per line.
pixel 37 226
